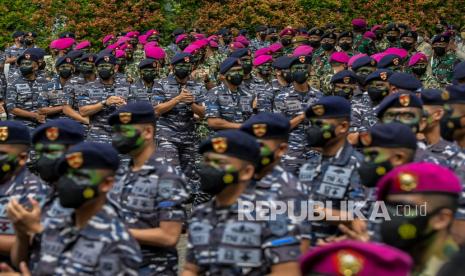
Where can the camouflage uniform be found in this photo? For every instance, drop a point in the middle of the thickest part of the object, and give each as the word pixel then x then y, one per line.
pixel 141 93
pixel 332 179
pixel 24 94
pixel 429 81
pixel 50 70
pixel 103 246
pixel 142 200
pixel 220 244
pixel 132 71
pixel 453 154
pixel 291 104
pixel 361 118
pixel 13 51
pixel 321 64
pixel 423 154
pixel 175 128
pixel 171 50
pixel 256 44
pixel 138 55
pixel 443 67
pixel 266 93
pixel 95 92
pixel 55 94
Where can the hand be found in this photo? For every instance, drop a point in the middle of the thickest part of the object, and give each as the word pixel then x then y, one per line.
pixel 6 270
pixel 40 117
pixel 185 96
pixel 114 100
pixel 357 230
pixel 25 221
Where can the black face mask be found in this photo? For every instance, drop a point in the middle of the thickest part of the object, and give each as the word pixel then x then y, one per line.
pixel 28 42
pixel 265 72
pixel 71 194
pixel 247 67
pixel 105 73
pixel 181 73
pixel 419 70
pixel 315 43
pixel 124 144
pixel 287 76
pixel 183 44
pixel 227 39
pixel 65 73
pixel 345 46
pixel 129 55
pixel 262 36
pixel 439 51
pixel 317 137
pixel 285 41
pixel 300 76
pixel 148 76
pixel 379 35
pixel 214 180
pixel 346 93
pixel 274 38
pixel 377 94
pixel 47 169
pixel 234 79
pixel 8 165
pixel 406 45
pixel 42 65
pixel 449 125
pixel 391 38
pixel 327 46
pixel 86 69
pixel 26 70
pixel 371 172
pixel 406 233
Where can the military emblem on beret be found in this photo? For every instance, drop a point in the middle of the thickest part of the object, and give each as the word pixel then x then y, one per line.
pixel 125 117
pixel 52 133
pixel 366 139
pixel 91 59
pixel 407 181
pixel 27 56
pixel 106 58
pixel 187 59
pixel 442 38
pixel 219 144
pixel 75 160
pixel 318 109
pixel 346 80
pixel 404 99
pixel 445 95
pixel 68 60
pixel 349 262
pixel 302 59
pixel 29 34
pixel 259 129
pixel 3 133
pixel 383 76
pixel 395 61
pixel 154 64
pixel 373 62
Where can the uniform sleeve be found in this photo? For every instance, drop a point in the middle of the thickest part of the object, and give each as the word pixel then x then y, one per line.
pixel 265 99
pixel 212 107
pixel 84 98
pixel 43 97
pixel 11 95
pixel 172 190
pixel 200 95
pixel 69 94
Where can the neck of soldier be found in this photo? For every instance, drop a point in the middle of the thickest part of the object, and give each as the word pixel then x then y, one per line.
pixel 182 81
pixel 148 84
pixel 328 53
pixel 108 81
pixel 139 159
pixel 88 210
pixel 90 77
pixel 433 134
pixel 230 194
pixel 18 44
pixel 31 76
pixel 332 147
pixel 301 87
pixel 231 87
pixel 63 80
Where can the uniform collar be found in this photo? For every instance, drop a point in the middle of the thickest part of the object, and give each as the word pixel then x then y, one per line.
pixel 343 155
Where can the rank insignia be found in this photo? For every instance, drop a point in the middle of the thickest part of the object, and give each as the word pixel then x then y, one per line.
pixel 302 59
pixel 187 59
pixel 52 133
pixel 259 129
pixel 3 133
pixel 75 160
pixel 106 59
pixel 219 144
pixel 125 117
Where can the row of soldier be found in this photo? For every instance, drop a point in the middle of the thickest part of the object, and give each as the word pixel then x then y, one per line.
pixel 377 111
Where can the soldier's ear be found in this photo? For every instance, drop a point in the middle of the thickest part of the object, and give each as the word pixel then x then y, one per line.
pixel 282 149
pixel 247 173
pixel 107 184
pixel 22 158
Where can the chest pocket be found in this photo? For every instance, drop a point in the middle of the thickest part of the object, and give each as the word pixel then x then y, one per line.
pixel 97 94
pixel 226 100
pixel 242 234
pixel 335 182
pixel 199 233
pixel 122 92
pixel 50 249
pixel 246 103
pixel 56 97
pixel 24 92
pixel 293 106
pixel 86 252
pixel 142 196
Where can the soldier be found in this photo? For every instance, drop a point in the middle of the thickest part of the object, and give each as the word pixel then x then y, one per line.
pixel 159 55
pixel 59 48
pixel 363 66
pixel 452 126
pixel 285 37
pixel 23 92
pixel 321 61
pixel 403 82
pixel 345 42
pixel 260 40
pixel 17 182
pixel 428 239
pixel 40 54
pixel 14 51
pixel 148 195
pixel 391 62
pixel 418 65
pixel 120 67
pixel 392 35
pixel 101 97
pixel 245 58
pixel 443 60
pixel 213 59
pixel 377 87
pixel 141 89
pixel 292 103
pixel 314 39
pixel 408 41
pixel 359 26
pixel 93 240
pixel 338 62
pixel 356 258
pixel 423 43
pixel 229 104
pixel 253 247
pixel 381 42
pixel 332 176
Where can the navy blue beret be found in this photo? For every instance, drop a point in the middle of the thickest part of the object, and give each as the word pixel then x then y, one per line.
pixel 233 143
pixel 27 56
pixel 14 132
pixel 459 71
pixel 18 34
pixel 346 34
pixel 89 57
pixel 398 100
pixel 283 62
pixel 405 81
pixel 389 60
pixel 39 52
pixel 387 136
pixel 329 107
pixel 441 38
pixel 105 52
pixel 363 61
pixel 107 58
pixel 380 74
pixel 33 34
pixel 181 57
pixel 178 31
pixel 434 96
pixel 89 155
pixel 392 27
pixel 456 93
pixel 315 31
pixel 223 31
pixel 59 131
pixel 75 54
pixel 409 33
pixel 227 64
pixel 328 35
pixel 146 63
pixel 266 125
pixel 300 60
pixel 62 60
pixel 345 76
pixel 67 34
pixel 241 53
pixel 133 113
pixel 260 28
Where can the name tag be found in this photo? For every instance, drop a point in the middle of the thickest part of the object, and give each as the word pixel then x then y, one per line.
pixel 51 244
pixel 144 188
pixel 335 182
pixel 225 100
pixel 142 204
pixel 307 173
pixel 122 92
pixel 246 104
pixel 199 233
pixel 293 105
pixel 87 252
pixel 239 256
pixel 96 93
pixel 242 233
pixel 23 88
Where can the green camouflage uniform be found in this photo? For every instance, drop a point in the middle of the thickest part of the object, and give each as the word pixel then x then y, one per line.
pixel 50 66
pixel 132 71
pixel 442 67
pixel 138 55
pixel 321 65
pixel 429 81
